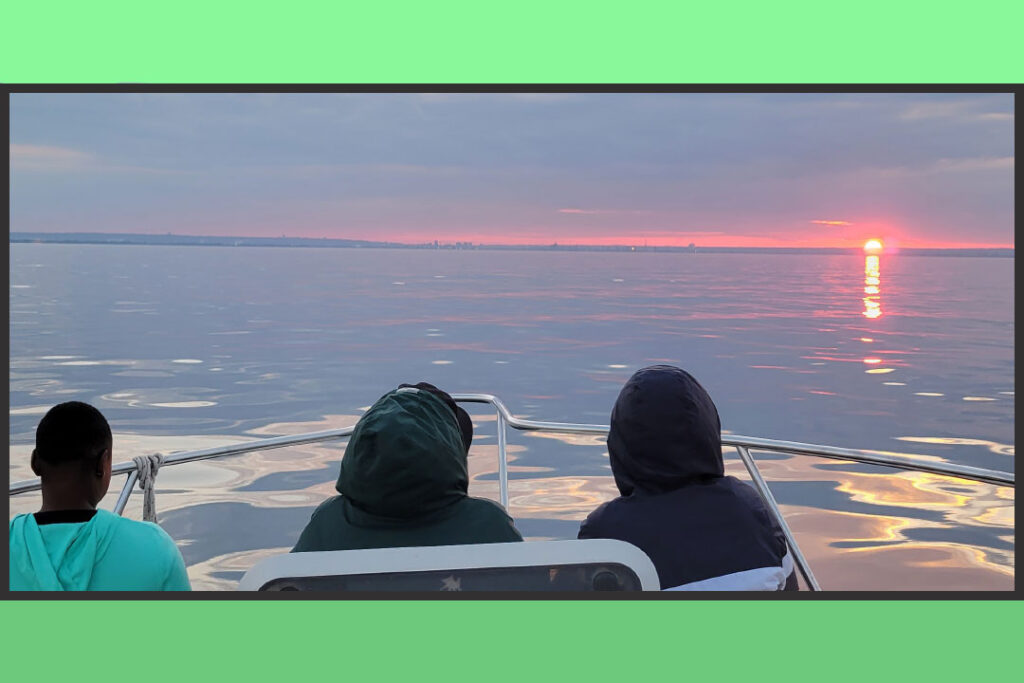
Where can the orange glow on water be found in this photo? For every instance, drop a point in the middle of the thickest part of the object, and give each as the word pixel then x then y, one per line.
pixel 872 285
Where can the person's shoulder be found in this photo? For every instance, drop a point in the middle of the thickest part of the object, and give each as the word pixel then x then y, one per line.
pixel 602 518
pixel 748 497
pixel 607 509
pixel 17 520
pixel 743 492
pixel 484 506
pixel 489 519
pixel 327 510
pixel 138 532
pixel 139 554
pixel 321 523
pixel 329 505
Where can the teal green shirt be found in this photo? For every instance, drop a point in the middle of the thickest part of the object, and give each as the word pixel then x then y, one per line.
pixel 107 553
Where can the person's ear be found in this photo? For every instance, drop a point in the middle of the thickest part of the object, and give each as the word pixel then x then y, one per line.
pixel 103 463
pixel 35 464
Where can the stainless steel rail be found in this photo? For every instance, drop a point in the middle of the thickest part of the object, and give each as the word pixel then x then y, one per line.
pixel 505 419
pixel 773 445
pixel 208 453
pixel 871 458
pixel 762 487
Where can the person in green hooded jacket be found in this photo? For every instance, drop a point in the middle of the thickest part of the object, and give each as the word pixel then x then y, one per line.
pixel 404 481
pixel 69 545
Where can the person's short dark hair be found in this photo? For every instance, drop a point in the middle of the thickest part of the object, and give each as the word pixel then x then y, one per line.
pixel 72 432
pixel 461 416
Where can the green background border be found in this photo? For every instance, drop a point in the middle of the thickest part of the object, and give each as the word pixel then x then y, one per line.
pixel 543 41
pixel 522 42
pixel 527 642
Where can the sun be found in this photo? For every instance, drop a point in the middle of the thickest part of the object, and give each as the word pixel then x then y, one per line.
pixel 873 246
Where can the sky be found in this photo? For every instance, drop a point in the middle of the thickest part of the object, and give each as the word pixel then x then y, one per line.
pixel 779 169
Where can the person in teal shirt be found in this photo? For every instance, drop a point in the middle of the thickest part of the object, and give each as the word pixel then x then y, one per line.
pixel 69 545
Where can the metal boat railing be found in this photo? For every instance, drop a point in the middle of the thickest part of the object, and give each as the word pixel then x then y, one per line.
pixel 505 419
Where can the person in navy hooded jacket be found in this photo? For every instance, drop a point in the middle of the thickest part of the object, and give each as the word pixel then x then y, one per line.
pixel 701 529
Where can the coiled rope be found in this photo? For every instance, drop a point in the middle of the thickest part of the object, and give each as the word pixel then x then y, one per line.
pixel 147 466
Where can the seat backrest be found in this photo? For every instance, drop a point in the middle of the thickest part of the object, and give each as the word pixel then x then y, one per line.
pixel 577 565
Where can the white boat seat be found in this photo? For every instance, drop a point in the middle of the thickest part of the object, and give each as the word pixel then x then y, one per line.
pixel 576 565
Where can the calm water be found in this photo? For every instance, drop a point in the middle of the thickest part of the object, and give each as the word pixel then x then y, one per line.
pixel 189 347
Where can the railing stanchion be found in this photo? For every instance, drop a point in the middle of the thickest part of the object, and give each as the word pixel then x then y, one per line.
pixel 502 462
pixel 126 491
pixel 762 487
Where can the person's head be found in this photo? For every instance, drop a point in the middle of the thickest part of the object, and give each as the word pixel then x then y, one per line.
pixel 665 432
pixel 73 451
pixel 406 457
pixel 462 418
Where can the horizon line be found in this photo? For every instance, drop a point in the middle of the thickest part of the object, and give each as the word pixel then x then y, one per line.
pixel 21 237
pixel 113 238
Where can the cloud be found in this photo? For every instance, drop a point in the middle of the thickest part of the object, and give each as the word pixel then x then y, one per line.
pixel 47 158
pixel 946 165
pixel 835 223
pixel 995 116
pixel 974 164
pixel 958 109
pixel 606 212
pixel 931 110
pixel 52 158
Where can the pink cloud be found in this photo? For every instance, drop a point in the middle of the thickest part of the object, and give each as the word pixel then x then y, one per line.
pixel 46 158
pixel 594 212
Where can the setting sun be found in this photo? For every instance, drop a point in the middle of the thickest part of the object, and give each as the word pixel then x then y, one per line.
pixel 872 246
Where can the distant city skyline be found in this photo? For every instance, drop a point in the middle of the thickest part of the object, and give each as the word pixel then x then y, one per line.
pixel 872 247
pixel 758 170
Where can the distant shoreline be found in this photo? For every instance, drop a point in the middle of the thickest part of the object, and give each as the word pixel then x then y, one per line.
pixel 222 241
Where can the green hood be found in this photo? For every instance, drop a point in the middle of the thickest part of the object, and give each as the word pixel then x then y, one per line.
pixel 405 458
pixel 65 559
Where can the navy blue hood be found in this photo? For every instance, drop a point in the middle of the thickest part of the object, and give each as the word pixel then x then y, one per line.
pixel 665 432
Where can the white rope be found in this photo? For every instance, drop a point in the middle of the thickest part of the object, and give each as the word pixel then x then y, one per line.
pixel 147 467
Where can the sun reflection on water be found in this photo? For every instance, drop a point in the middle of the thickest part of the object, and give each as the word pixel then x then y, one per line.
pixel 872 283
